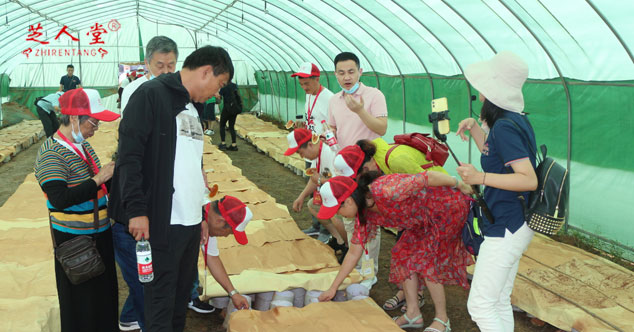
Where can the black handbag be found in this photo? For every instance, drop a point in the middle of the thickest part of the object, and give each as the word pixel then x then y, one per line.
pixel 79 256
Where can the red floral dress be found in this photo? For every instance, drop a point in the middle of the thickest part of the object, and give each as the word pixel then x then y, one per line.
pixel 431 219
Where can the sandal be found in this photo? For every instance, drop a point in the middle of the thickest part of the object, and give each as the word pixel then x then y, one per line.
pixel 421 302
pixel 447 326
pixel 393 303
pixel 411 323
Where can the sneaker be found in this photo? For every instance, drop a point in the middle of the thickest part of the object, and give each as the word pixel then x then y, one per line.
pixel 334 245
pixel 129 326
pixel 222 147
pixel 324 237
pixel 311 231
pixel 232 148
pixel 209 132
pixel 200 307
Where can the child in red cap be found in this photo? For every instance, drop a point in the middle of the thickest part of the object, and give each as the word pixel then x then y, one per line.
pixel 224 217
pixel 431 208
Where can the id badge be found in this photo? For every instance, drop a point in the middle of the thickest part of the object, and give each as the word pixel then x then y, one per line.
pixel 367 267
pixel 316 198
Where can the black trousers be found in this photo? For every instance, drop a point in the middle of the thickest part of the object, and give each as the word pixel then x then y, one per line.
pixel 231 118
pixel 49 121
pixel 94 304
pixel 175 267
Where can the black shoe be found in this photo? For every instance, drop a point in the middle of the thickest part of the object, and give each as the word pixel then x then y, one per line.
pixel 222 147
pixel 232 148
pixel 344 251
pixel 200 307
pixel 336 246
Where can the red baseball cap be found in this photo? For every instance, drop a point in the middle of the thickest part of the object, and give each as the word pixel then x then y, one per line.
pixel 349 160
pixel 307 69
pixel 333 192
pixel 85 102
pixel 296 138
pixel 237 215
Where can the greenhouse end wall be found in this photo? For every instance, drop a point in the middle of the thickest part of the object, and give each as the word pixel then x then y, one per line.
pixel 598 142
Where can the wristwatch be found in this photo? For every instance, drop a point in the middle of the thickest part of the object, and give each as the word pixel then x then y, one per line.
pixel 233 292
pixel 455 186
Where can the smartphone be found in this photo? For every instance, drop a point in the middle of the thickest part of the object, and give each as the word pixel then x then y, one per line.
pixel 440 105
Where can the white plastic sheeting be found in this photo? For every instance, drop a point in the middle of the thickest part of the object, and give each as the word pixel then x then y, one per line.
pixel 584 39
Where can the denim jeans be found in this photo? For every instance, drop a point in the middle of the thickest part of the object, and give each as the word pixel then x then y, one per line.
pixel 125 256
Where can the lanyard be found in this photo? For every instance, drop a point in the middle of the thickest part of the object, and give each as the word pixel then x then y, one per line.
pixel 359 233
pixel 321 144
pixel 91 164
pixel 309 112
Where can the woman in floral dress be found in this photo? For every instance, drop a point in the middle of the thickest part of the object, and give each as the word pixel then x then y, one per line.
pixel 430 208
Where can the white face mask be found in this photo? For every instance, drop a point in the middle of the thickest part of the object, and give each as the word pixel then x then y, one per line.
pixel 77 137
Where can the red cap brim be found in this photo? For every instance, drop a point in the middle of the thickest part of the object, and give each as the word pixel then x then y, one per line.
pixel 290 151
pixel 106 116
pixel 326 213
pixel 241 237
pixel 302 75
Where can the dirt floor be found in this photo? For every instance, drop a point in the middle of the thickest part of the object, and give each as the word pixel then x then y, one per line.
pixel 284 185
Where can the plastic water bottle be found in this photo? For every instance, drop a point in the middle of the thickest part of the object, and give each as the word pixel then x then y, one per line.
pixel 144 261
pixel 331 140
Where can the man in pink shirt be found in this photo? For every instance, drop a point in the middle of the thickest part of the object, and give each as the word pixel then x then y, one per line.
pixel 358 111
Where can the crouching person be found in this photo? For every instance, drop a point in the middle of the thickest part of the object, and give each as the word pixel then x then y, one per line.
pixel 224 217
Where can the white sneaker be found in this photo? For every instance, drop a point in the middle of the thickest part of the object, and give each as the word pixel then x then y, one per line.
pixel 129 326
pixel 209 132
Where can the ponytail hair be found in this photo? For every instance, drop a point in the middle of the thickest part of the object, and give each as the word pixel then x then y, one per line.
pixel 362 192
pixel 369 149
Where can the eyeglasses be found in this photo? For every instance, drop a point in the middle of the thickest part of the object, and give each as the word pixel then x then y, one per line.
pixel 94 126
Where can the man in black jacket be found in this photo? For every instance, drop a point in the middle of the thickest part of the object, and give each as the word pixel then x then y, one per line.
pixel 158 184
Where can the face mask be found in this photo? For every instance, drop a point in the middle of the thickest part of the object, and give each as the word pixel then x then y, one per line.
pixel 78 138
pixel 152 76
pixel 352 90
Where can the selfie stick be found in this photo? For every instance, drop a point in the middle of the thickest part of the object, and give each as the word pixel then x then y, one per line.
pixel 434 118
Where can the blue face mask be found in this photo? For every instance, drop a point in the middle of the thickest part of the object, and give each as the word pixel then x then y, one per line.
pixel 352 90
pixel 77 137
pixel 152 76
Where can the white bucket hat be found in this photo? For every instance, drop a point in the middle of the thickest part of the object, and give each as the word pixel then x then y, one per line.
pixel 500 80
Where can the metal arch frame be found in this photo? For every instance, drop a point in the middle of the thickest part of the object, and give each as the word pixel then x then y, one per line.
pixel 471 26
pixel 307 37
pixel 275 29
pixel 239 32
pixel 247 31
pixel 400 73
pixel 510 28
pixel 452 56
pixel 378 84
pixel 618 37
pixel 307 51
pixel 450 53
pixel 431 83
pixel 558 22
pixel 565 85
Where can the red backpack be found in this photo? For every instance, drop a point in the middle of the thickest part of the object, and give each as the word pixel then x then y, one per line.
pixel 433 150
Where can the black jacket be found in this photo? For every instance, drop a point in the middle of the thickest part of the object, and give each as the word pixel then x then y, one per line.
pixel 142 183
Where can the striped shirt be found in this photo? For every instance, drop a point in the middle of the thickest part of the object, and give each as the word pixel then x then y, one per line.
pixel 55 162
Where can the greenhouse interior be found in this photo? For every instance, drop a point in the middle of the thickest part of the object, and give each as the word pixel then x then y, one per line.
pixel 580 60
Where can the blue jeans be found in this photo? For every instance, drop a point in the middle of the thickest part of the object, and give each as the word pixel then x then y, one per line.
pixel 125 256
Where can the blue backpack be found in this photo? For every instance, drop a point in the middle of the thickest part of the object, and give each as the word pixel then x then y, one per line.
pixel 471 235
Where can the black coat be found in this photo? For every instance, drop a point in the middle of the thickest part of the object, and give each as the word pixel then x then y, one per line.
pixel 142 183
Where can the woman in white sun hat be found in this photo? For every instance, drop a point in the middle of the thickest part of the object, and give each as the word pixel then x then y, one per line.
pixel 507 170
pixel 430 208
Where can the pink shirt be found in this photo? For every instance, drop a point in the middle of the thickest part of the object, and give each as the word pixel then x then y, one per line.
pixel 349 126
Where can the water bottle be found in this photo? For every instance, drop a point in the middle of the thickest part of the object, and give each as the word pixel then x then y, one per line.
pixel 144 261
pixel 331 140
